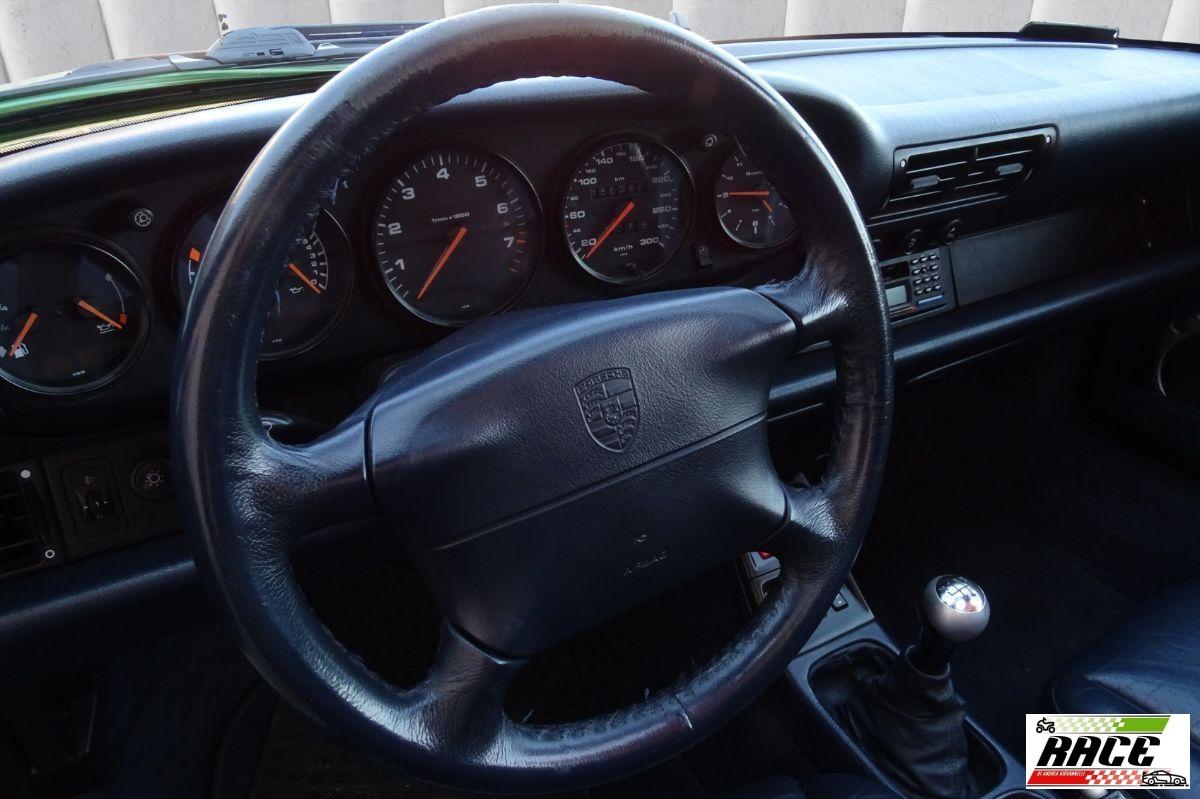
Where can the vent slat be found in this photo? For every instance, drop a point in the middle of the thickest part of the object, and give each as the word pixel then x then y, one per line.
pixel 1006 154
pixel 916 196
pixel 21 545
pixel 937 167
pixel 979 183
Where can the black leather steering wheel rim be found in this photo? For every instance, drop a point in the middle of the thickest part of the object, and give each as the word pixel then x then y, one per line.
pixel 246 498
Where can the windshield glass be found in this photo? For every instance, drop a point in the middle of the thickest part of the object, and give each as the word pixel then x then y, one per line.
pixel 43 37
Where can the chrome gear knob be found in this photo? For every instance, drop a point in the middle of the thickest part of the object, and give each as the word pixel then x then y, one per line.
pixel 955 608
pixel 953 611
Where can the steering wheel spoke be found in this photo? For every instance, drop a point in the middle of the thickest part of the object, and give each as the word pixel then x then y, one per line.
pixel 814 300
pixel 299 489
pixel 460 702
pixel 811 527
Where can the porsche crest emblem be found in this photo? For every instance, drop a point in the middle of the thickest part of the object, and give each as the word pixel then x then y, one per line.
pixel 609 404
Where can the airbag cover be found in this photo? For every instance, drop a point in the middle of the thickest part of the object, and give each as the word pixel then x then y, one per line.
pixel 520 410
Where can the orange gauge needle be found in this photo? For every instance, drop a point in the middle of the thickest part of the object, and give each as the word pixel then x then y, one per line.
pixel 305 279
pixel 611 227
pixel 767 205
pixel 441 261
pixel 96 312
pixel 763 193
pixel 24 332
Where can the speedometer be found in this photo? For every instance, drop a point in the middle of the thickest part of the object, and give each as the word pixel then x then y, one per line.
pixel 456 235
pixel 626 210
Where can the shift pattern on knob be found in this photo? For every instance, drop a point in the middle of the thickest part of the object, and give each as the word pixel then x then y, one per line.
pixel 955 608
pixel 960 595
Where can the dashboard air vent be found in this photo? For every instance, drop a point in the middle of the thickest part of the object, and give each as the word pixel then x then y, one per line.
pixel 23 532
pixel 934 176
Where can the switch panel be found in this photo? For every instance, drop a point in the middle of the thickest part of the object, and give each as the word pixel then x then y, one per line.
pixel 95 500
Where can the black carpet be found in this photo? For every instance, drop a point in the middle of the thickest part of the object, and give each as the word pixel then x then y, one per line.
pixel 1096 497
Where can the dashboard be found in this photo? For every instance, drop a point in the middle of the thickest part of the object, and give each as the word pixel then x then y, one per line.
pixel 1008 186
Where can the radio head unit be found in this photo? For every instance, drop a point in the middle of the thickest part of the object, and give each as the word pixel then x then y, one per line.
pixel 918 283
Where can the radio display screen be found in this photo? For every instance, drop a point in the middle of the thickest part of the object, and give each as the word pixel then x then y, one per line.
pixel 897 295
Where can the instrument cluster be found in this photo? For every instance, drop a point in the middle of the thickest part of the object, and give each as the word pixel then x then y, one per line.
pixel 457 234
pixel 451 235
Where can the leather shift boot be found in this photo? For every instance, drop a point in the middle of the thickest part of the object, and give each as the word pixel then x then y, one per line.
pixel 913 726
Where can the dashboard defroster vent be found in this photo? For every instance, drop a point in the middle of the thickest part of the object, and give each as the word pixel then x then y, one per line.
pixel 935 176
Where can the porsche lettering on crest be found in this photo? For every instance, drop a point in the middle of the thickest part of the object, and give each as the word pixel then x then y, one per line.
pixel 609 404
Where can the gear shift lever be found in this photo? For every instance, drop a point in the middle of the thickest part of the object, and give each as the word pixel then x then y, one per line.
pixel 908 716
pixel 954 610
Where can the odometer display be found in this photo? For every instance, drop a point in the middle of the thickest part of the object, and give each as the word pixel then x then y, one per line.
pixel 626 210
pixel 456 235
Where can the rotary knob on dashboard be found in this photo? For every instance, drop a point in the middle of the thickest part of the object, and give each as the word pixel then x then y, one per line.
pixel 152 479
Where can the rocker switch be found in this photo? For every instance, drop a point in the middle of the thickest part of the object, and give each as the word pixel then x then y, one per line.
pixel 95 503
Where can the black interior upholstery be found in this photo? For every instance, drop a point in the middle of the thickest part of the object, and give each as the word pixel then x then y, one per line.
pixel 1150 663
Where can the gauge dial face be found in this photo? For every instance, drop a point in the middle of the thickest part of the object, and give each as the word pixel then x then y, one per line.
pixel 626 210
pixel 749 208
pixel 72 317
pixel 457 234
pixel 313 284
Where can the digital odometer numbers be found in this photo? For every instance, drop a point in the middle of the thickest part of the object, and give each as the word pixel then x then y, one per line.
pixel 749 208
pixel 456 235
pixel 626 210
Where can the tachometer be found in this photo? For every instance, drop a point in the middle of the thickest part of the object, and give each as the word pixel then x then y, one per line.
pixel 456 235
pixel 313 285
pixel 626 210
pixel 72 317
pixel 749 208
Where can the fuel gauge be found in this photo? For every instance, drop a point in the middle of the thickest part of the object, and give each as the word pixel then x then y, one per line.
pixel 72 317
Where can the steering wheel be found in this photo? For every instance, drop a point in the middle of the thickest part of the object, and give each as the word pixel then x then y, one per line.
pixel 546 469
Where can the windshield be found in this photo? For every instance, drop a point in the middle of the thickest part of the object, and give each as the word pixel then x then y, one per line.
pixel 46 37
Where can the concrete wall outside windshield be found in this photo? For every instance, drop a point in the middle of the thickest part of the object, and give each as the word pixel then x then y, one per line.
pixel 38 37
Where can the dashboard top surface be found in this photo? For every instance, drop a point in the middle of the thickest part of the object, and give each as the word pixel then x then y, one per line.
pixel 981 69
